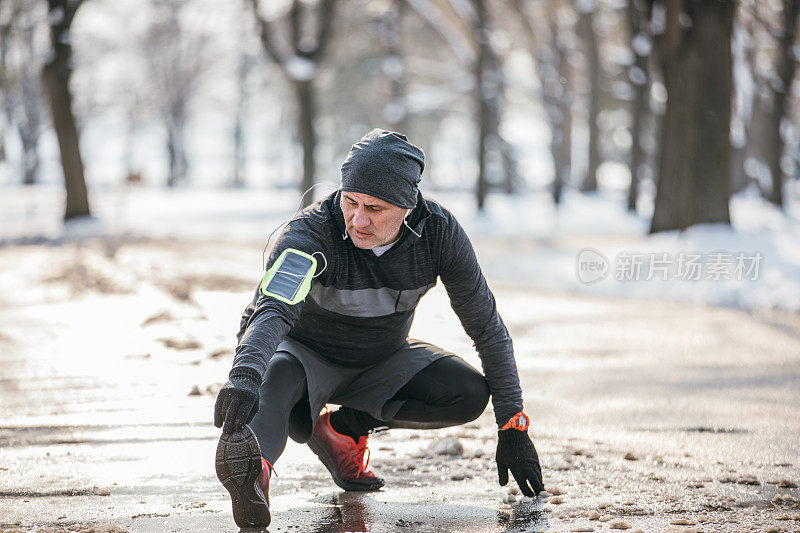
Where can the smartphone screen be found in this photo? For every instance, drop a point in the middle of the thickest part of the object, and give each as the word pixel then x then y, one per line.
pixel 291 274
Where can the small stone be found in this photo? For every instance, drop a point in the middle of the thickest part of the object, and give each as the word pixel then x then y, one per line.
pixel 101 492
pixel 511 498
pixel 556 500
pixel 585 529
pixel 555 491
pixel 619 524
pixel 604 506
pixel 604 518
pixel 630 457
pixel 195 391
pixel 773 529
pixel 526 499
pixel 513 489
pixel 449 446
pixel 458 476
pixel 683 522
pixel 593 515
pixel 786 484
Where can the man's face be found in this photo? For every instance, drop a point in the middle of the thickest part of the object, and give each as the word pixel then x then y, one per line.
pixel 370 221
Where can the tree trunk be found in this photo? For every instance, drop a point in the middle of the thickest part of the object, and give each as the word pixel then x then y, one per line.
pixel 176 148
pixel 482 187
pixel 741 146
pixel 558 103
pixel 641 100
pixel 785 70
pixel 396 111
pixel 55 76
pixel 694 162
pixel 238 125
pixel 586 31
pixel 488 88
pixel 30 155
pixel 304 89
pixel 302 82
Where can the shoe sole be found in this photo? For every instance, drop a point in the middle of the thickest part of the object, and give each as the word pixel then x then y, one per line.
pixel 238 464
pixel 330 464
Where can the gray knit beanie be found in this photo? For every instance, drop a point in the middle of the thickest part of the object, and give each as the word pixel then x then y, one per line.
pixel 385 165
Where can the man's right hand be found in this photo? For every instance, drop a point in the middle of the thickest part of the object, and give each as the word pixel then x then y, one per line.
pixel 237 401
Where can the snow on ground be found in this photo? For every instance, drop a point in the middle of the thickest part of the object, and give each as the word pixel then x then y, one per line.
pixel 590 245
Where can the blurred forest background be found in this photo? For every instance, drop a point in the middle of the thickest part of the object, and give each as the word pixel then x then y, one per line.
pixel 680 103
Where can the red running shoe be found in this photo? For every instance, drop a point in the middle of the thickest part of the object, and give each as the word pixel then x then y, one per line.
pixel 245 474
pixel 343 457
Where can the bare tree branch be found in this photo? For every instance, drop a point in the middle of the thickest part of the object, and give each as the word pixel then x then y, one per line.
pixel 265 33
pixel 459 42
pixel 70 8
pixel 296 27
pixel 325 11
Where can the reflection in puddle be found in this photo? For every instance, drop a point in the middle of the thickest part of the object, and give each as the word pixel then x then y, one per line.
pixel 354 511
pixel 343 512
pixel 524 517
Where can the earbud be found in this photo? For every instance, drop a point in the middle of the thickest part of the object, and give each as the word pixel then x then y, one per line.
pixel 405 223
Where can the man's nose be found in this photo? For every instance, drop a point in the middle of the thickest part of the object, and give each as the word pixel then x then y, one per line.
pixel 360 218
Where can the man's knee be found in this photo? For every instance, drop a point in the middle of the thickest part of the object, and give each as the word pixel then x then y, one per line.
pixel 475 397
pixel 284 366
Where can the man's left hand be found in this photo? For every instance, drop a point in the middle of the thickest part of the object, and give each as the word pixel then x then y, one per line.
pixel 515 452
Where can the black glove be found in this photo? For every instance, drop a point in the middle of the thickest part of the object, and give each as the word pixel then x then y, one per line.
pixel 515 452
pixel 237 401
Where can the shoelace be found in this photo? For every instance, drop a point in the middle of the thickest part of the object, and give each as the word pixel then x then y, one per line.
pixel 360 449
pixel 269 465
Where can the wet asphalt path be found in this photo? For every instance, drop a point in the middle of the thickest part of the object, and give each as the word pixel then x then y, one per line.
pixel 646 414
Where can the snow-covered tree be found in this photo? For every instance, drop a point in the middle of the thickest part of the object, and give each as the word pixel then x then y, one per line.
pixel 299 55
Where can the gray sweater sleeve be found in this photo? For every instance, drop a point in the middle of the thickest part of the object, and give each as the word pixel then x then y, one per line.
pixel 475 306
pixel 266 321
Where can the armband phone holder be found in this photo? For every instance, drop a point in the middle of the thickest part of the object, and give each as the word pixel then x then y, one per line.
pixel 289 278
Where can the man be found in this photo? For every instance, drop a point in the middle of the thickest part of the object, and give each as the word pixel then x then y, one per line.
pixel 338 333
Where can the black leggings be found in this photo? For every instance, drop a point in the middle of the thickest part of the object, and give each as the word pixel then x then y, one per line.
pixel 447 392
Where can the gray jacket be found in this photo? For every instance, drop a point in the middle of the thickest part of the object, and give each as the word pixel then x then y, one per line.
pixel 361 307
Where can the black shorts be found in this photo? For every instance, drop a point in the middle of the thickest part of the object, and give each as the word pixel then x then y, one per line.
pixel 369 389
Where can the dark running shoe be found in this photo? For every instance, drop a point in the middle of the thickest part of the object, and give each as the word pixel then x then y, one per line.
pixel 343 457
pixel 245 474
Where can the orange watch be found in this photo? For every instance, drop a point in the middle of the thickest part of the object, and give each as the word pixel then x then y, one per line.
pixel 519 421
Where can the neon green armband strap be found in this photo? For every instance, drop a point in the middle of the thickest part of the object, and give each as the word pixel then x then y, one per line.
pixel 289 278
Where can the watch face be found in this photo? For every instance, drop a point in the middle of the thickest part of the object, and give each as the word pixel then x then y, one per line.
pixel 523 421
